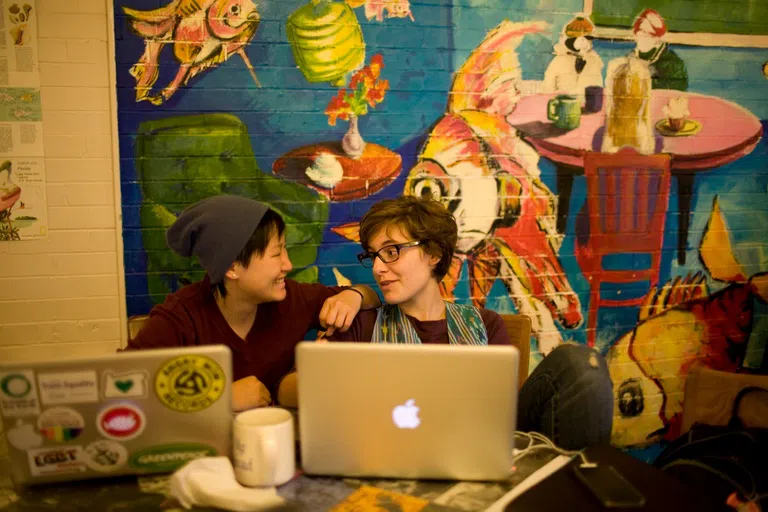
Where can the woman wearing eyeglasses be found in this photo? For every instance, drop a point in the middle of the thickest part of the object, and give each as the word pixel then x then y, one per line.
pixel 409 245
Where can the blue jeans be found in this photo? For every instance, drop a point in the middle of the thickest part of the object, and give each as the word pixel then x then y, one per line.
pixel 568 398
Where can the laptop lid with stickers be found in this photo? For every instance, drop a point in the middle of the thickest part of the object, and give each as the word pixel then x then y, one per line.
pixel 134 412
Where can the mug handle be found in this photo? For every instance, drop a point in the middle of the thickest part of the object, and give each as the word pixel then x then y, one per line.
pixel 269 458
pixel 552 109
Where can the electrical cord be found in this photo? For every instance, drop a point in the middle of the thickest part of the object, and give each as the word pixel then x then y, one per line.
pixel 546 444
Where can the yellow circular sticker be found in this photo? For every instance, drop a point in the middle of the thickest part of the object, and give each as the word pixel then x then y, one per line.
pixel 189 383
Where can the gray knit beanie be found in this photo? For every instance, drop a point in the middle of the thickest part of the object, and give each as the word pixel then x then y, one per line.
pixel 215 230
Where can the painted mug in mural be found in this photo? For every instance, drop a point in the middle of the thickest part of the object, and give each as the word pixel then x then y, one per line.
pixel 565 111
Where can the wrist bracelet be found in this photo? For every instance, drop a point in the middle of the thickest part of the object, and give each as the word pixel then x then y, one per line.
pixel 362 297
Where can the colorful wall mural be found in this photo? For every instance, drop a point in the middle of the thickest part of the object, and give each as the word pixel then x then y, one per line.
pixel 608 182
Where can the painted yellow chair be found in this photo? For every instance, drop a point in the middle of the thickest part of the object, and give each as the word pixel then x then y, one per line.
pixel 519 332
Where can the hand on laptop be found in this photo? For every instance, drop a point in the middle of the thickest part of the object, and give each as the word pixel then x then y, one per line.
pixel 249 393
pixel 339 311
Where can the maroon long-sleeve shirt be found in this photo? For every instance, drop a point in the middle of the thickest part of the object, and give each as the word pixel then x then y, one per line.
pixel 191 317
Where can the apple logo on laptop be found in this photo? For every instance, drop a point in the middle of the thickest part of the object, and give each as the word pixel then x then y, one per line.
pixel 407 415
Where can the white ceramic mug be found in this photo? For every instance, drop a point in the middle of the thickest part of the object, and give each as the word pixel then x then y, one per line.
pixel 264 454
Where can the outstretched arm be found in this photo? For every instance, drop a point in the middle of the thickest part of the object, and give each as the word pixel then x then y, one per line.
pixel 339 311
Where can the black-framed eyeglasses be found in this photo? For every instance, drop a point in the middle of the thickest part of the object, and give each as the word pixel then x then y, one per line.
pixel 387 254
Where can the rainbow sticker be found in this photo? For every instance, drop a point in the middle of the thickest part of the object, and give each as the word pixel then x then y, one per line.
pixel 60 424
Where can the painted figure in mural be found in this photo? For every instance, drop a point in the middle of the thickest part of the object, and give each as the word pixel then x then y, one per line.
pixel 680 326
pixel 245 301
pixel 576 64
pixel 475 163
pixel 204 33
pixel 667 68
pixel 409 244
pixel 377 8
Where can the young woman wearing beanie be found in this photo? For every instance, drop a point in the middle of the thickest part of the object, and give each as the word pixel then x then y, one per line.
pixel 245 300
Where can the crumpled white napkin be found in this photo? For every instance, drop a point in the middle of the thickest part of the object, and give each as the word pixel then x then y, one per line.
pixel 211 482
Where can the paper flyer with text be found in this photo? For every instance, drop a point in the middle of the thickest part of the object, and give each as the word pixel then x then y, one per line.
pixel 23 206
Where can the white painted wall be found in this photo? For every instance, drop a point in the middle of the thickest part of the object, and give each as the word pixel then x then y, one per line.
pixel 64 295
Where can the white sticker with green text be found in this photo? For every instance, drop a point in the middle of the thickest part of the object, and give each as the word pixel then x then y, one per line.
pixel 18 396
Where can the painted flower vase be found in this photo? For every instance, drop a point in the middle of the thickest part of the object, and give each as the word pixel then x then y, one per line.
pixel 352 143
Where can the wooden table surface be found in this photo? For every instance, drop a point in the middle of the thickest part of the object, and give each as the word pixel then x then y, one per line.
pixel 374 170
pixel 303 493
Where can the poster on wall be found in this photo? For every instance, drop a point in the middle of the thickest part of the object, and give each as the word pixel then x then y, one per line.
pixel 23 206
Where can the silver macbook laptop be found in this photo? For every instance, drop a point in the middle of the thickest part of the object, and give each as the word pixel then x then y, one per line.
pixel 407 411
pixel 135 412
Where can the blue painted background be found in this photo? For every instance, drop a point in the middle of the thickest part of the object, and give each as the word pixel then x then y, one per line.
pixel 420 58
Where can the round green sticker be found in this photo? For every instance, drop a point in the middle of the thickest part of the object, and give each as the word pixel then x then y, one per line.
pixel 15 385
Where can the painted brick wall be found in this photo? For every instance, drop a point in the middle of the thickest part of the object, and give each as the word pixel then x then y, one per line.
pixel 421 59
pixel 63 295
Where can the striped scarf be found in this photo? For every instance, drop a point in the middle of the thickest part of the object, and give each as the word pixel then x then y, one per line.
pixel 465 326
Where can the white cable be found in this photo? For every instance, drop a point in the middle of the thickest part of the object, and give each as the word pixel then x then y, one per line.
pixel 547 444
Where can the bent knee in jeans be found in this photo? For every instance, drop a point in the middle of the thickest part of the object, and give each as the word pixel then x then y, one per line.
pixel 569 398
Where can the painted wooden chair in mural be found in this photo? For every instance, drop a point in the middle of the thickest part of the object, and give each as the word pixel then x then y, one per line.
pixel 627 201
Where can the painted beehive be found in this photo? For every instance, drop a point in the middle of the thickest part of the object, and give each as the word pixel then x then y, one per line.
pixel 326 40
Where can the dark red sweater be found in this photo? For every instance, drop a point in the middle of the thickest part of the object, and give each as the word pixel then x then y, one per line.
pixel 191 317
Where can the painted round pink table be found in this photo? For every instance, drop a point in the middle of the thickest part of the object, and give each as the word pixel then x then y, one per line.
pixel 728 132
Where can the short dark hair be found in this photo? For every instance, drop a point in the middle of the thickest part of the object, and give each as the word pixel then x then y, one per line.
pixel 270 225
pixel 423 219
